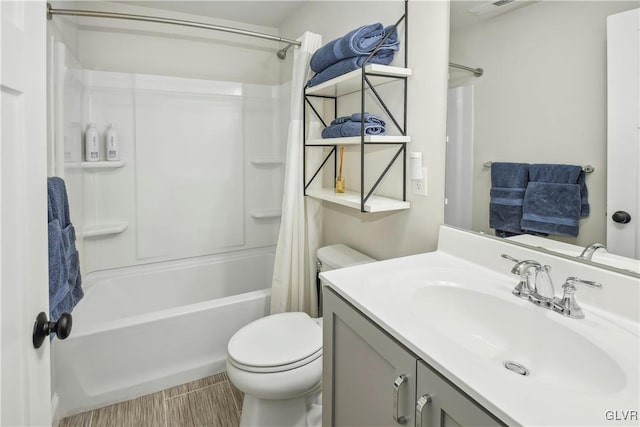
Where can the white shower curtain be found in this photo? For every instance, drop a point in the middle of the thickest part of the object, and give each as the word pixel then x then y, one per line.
pixel 294 285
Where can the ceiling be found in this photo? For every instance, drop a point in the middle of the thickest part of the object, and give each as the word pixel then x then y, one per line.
pixel 271 13
pixel 460 16
pixel 265 13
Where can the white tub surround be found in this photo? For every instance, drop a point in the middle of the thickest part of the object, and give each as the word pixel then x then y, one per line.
pixel 453 308
pixel 143 329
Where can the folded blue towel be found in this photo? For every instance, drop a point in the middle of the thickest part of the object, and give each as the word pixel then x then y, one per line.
pixel 65 289
pixel 350 128
pixel 508 184
pixel 562 174
pixel 383 57
pixel 551 208
pixel 357 117
pixel 361 41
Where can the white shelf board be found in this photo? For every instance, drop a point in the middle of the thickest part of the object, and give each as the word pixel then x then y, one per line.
pixel 355 140
pixel 351 199
pixel 104 229
pixel 267 161
pixel 266 213
pixel 103 164
pixel 351 82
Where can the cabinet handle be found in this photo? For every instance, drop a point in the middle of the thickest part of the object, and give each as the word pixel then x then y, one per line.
pixel 424 400
pixel 402 378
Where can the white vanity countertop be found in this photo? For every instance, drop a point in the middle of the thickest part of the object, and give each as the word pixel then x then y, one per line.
pixel 579 369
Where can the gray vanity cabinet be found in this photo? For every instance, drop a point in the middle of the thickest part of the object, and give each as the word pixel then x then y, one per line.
pixel 370 379
pixel 363 371
pixel 441 404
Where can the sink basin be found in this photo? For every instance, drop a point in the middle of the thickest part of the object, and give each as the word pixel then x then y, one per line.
pixel 509 329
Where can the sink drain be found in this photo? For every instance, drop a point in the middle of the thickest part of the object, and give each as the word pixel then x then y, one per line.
pixel 516 367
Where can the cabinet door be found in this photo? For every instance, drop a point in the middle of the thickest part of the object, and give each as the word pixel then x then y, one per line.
pixel 363 383
pixel 446 406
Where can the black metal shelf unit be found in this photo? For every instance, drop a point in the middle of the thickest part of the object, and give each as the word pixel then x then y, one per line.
pixel 366 72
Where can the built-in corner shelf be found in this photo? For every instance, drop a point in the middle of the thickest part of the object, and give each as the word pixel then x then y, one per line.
pixel 355 140
pixel 267 161
pixel 266 213
pixel 103 164
pixel 104 229
pixel 352 81
pixel 351 199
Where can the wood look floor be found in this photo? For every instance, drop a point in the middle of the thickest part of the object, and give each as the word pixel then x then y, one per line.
pixel 211 401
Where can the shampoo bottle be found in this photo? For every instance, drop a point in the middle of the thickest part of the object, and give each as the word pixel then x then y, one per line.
pixel 113 153
pixel 91 144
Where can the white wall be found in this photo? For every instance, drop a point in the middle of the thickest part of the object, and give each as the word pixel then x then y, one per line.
pixel 388 235
pixel 152 48
pixel 542 98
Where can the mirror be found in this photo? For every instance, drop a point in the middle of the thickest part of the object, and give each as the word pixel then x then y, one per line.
pixel 542 98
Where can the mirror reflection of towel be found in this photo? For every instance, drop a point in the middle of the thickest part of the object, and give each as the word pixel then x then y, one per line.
pixel 555 198
pixel 508 184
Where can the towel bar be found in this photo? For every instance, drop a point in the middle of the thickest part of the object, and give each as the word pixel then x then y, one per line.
pixel 585 168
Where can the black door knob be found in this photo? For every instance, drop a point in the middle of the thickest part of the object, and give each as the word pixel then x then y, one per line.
pixel 621 217
pixel 42 328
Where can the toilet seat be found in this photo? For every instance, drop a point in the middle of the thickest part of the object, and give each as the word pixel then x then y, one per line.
pixel 276 343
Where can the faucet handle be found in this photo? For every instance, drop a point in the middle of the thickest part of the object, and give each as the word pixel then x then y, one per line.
pixel 567 305
pixel 572 281
pixel 510 258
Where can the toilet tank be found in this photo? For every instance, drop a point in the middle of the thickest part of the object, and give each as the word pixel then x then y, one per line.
pixel 339 256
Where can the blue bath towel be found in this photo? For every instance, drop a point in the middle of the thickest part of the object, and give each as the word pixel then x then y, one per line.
pixel 343 130
pixel 383 57
pixel 551 208
pixel 346 126
pixel 357 117
pixel 59 292
pixel 65 281
pixel 508 184
pixel 361 41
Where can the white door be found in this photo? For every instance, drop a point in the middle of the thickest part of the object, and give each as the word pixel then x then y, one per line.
pixel 623 139
pixel 25 394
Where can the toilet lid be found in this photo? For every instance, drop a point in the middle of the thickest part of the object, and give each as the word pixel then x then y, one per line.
pixel 276 341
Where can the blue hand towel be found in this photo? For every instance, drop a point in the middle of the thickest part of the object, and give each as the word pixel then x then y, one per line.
pixel 508 184
pixel 361 41
pixel 562 174
pixel 383 57
pixel 551 208
pixel 65 282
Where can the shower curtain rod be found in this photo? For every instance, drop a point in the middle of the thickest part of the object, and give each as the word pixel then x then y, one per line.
pixel 476 71
pixel 92 13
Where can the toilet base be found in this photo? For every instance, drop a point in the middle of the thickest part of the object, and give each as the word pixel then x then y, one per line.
pixel 298 412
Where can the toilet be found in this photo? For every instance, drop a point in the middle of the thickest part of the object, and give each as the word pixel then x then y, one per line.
pixel 276 361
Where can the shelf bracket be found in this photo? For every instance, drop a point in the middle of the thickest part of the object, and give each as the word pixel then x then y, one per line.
pixel 384 106
pixel 384 173
pixel 333 150
pixel 315 111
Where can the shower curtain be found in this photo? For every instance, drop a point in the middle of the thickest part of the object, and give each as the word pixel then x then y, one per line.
pixel 294 285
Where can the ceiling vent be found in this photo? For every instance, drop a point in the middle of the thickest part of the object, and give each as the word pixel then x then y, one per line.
pixel 491 6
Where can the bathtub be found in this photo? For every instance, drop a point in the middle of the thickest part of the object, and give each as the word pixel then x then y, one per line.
pixel 142 329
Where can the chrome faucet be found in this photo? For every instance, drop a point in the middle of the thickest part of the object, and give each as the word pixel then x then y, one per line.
pixel 536 286
pixel 527 279
pixel 588 252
